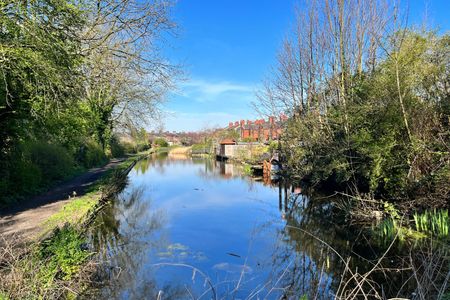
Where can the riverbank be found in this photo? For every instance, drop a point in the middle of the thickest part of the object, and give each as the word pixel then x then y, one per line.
pixel 44 253
pixel 20 220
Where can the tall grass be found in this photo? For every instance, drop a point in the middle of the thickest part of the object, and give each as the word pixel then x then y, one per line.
pixel 435 222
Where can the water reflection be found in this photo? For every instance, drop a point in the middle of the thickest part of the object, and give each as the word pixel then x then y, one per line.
pixel 191 227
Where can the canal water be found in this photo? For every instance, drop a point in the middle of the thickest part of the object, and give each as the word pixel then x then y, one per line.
pixel 190 228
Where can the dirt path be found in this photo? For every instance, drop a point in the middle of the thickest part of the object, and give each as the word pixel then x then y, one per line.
pixel 22 221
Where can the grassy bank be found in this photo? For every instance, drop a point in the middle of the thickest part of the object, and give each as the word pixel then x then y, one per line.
pixel 59 263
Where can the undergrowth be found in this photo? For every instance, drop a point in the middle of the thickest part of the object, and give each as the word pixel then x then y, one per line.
pixel 59 266
pixel 53 269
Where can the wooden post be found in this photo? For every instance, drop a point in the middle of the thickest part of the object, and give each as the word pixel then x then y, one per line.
pixel 266 168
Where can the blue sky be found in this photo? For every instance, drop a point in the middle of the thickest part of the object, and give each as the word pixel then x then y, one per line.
pixel 227 47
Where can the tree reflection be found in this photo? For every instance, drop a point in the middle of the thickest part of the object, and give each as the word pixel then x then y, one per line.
pixel 318 268
pixel 307 253
pixel 125 233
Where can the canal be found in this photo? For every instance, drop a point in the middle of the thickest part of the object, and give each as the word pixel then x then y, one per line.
pixel 189 228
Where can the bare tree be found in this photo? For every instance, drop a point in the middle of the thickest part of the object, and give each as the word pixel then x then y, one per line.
pixel 128 76
pixel 331 41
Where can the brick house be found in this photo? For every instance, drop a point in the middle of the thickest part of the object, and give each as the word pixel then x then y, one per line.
pixel 259 130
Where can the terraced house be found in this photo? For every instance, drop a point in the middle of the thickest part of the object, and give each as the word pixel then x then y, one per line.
pixel 259 130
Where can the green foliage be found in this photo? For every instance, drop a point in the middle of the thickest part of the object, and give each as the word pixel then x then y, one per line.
pixel 391 210
pixel 273 146
pixel 202 148
pixel 32 167
pixel 248 140
pixel 228 134
pixel 436 222
pixel 160 142
pixel 53 90
pixel 140 147
pixel 248 170
pixel 91 154
pixel 117 148
pixel 366 143
pixel 63 255
pixel 52 160
pixel 129 148
pixel 25 178
pixel 140 139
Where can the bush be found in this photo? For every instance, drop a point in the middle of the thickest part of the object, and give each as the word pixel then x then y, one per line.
pixel 142 147
pixel 200 149
pixel 91 154
pixel 273 146
pixel 160 142
pixel 26 177
pixel 31 167
pixel 129 148
pixel 117 148
pixel 53 161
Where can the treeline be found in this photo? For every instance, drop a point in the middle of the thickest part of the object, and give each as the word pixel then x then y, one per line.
pixel 368 100
pixel 72 72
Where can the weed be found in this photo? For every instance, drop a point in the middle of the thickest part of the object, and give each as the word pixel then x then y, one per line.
pixel 64 254
pixel 248 170
pixel 434 222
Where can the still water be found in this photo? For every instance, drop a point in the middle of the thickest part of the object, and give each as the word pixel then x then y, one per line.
pixel 189 228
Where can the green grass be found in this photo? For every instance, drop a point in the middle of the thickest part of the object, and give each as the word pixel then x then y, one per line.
pixel 436 222
pixel 72 212
pixel 54 267
pixel 433 223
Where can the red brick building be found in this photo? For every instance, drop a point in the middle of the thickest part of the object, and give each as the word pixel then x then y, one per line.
pixel 259 130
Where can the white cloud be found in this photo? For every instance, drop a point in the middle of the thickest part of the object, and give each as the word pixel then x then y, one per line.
pixel 181 121
pixel 205 91
pixel 201 103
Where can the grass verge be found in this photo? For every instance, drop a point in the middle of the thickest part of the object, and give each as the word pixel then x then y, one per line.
pixel 57 265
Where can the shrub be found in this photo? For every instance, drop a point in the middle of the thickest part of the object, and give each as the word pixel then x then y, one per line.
pixel 26 177
pixel 248 140
pixel 129 147
pixel 161 142
pixel 31 167
pixel 273 146
pixel 142 147
pixel 91 154
pixel 53 161
pixel 200 149
pixel 117 148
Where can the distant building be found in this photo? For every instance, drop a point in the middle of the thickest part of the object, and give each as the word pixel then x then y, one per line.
pixel 259 130
pixel 226 148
